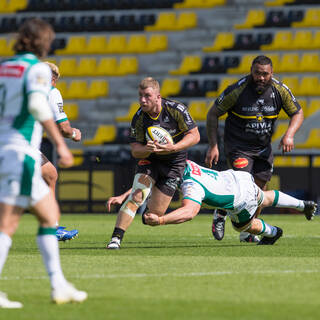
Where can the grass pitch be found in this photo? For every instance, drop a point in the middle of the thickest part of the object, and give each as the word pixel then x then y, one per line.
pixel 170 272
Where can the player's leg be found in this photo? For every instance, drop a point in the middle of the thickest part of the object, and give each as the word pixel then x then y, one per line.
pixel 141 189
pixel 9 220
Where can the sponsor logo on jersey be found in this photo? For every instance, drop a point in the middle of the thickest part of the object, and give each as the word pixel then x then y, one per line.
pixel 240 163
pixel 11 71
pixel 194 168
pixel 60 107
pixel 143 162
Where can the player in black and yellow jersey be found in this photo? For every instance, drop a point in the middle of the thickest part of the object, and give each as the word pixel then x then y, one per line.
pixel 160 167
pixel 253 105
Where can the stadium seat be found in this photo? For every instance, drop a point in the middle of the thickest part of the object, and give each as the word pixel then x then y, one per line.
pixel 224 83
pixel 313 107
pixel 198 110
pixel 186 20
pixel 277 19
pixel 127 65
pixel 304 105
pixel 311 19
pixel 104 134
pixel 132 110
pixel 96 45
pixel 255 17
pixel 277 3
pixel 315 40
pixel 116 44
pixel 309 86
pixel 282 115
pixel 72 110
pixel 188 64
pixel 302 40
pixel 292 83
pixel 313 140
pixel 75 45
pixel 309 62
pixel 190 88
pixel 157 42
pixel 166 21
pixel 223 40
pixel 68 67
pixel 244 66
pixel 280 130
pixel 78 157
pixel 77 89
pixel 107 66
pixel 62 86
pixel 97 89
pixel 137 43
pixel 86 67
pixel 289 62
pixel 6 46
pixel 198 4
pixel 170 87
pixel 11 6
pixel 281 40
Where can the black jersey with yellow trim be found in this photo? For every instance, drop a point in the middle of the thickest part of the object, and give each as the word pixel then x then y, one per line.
pixel 174 117
pixel 252 115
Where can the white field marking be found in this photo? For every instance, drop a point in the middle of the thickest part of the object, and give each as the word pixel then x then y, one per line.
pixel 176 275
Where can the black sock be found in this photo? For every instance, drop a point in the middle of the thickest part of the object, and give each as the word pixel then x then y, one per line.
pixel 222 212
pixel 118 233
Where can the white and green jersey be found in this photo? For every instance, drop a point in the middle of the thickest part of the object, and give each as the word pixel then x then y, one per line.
pixel 56 104
pixel 20 76
pixel 233 191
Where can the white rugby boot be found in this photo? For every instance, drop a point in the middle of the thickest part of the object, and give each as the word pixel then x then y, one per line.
pixel 67 293
pixel 6 303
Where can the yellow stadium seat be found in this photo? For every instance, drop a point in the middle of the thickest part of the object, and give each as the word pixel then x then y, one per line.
pixel 137 43
pixel 280 130
pixel 282 115
pixel 104 134
pixel 300 161
pixel 198 110
pixel 304 105
pixel 289 62
pixel 157 42
pixel 170 87
pixel 117 44
pixel 309 86
pixel 313 140
pixel 309 62
pixel 71 110
pixel 6 46
pixel 68 67
pixel 276 3
pixel 282 161
pixel 127 65
pixel 11 6
pixel 97 45
pixel 188 64
pixel 302 40
pixel 62 86
pixel 223 40
pixel 97 89
pixel 166 21
pixel 244 66
pixel 254 18
pixel 186 20
pixel 281 40
pixel 86 67
pixel 316 161
pixel 78 157
pixel 198 4
pixel 134 106
pixel 292 83
pixel 107 66
pixel 75 45
pixel 77 89
pixel 313 107
pixel 311 19
pixel 315 40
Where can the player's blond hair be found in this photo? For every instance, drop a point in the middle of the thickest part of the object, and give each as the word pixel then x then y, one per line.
pixel 149 82
pixel 54 69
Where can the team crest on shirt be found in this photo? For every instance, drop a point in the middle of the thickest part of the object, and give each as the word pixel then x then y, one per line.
pixel 240 163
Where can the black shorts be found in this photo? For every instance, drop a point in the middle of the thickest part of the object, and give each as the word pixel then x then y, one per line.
pixel 259 164
pixel 167 176
pixel 44 159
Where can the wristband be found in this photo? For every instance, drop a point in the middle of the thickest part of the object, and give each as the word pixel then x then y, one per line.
pixel 74 134
pixel 161 221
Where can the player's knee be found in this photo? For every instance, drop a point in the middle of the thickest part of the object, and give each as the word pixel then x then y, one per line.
pixel 137 197
pixel 50 175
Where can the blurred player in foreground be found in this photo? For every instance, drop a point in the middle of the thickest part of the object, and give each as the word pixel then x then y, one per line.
pixel 237 194
pixel 24 85
pixel 160 168
pixel 48 170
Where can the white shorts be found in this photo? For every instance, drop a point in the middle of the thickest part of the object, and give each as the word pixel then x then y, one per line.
pixel 21 183
pixel 248 199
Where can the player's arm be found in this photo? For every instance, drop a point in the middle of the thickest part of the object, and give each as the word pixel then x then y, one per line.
pixel 140 151
pixel 117 200
pixel 68 132
pixel 185 213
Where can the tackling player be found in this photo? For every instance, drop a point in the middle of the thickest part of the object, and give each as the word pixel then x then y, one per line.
pixel 237 194
pixel 24 86
pixel 160 167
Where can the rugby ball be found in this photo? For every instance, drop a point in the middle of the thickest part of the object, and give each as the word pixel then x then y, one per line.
pixel 158 134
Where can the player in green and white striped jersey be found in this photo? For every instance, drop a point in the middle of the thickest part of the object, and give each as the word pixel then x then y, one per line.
pixel 235 192
pixel 24 86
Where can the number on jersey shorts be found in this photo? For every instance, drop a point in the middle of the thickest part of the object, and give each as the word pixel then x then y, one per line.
pixel 21 183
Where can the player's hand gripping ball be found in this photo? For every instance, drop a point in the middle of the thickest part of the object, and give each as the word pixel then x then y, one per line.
pixel 158 134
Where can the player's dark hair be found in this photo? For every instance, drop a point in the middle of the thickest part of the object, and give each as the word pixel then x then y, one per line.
pixel 33 36
pixel 263 60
